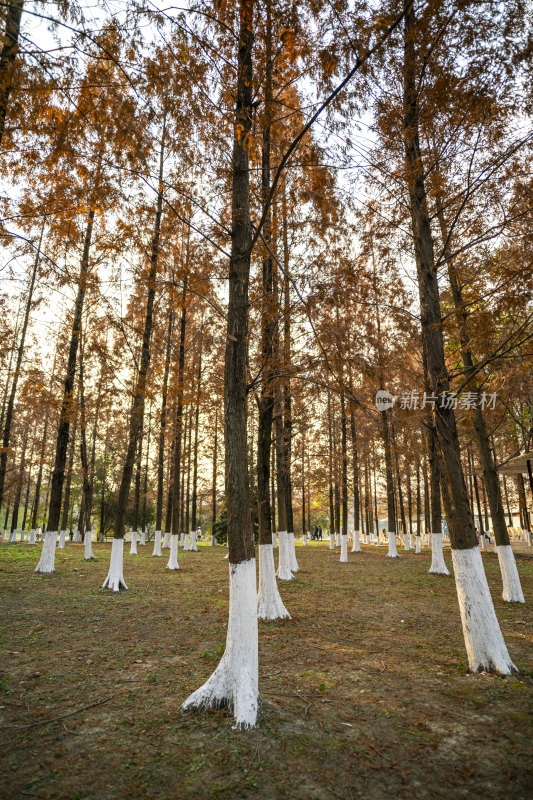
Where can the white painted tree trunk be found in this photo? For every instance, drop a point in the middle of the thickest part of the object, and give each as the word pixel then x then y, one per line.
pixel 173 560
pixel 157 544
pixel 133 546
pixel 305 539
pixel 115 577
pixel 166 540
pixel 406 542
pixel 48 553
pixel 292 553
pixel 87 540
pixel 284 565
pixel 32 536
pixel 269 602
pixel 142 542
pixel 512 589
pixel 193 541
pixel 77 537
pixel 485 647
pixel 22 536
pixel 213 540
pixel 482 542
pixel 13 537
pixel 331 541
pixel 417 546
pixel 182 539
pixel 338 542
pixel 61 543
pixel 438 565
pixel 187 544
pixel 234 683
pixel 393 552
pixel 356 546
pixel 344 549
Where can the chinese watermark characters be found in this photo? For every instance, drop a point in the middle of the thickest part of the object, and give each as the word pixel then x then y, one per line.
pixel 413 400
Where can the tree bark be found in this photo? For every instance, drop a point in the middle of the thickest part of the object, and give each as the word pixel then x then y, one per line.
pixel 355 472
pixel 58 473
pixel 175 528
pixel 490 474
pixel 8 58
pixel 195 450
pixel 162 428
pixel 11 402
pixel 137 410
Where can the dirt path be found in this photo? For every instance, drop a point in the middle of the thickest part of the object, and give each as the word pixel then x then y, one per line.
pixel 365 692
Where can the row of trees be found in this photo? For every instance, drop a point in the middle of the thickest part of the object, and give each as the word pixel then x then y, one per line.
pixel 140 156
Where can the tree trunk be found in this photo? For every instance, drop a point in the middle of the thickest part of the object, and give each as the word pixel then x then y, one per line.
pixel 162 428
pixel 214 484
pixel 8 58
pixel 355 473
pixel 115 579
pixel 485 646
pixel 177 471
pixel 330 473
pixel 6 436
pixel 485 454
pixel 399 485
pixel 145 479
pixel 195 452
pixel 20 478
pixel 235 681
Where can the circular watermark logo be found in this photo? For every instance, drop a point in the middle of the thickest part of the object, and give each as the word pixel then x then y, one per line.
pixel 384 400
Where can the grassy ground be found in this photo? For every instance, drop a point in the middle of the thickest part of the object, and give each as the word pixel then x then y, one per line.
pixel 365 692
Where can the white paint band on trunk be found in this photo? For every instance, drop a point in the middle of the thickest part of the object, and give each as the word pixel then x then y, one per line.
pixel 344 549
pixel 133 546
pixel 32 536
pixel 142 542
pixel 512 588
pixel 48 553
pixel 331 541
pixel 157 544
pixel 284 565
pixel 485 647
pixel 13 537
pixel 173 559
pixel 166 540
pixel 193 542
pixel 87 541
pixel 22 536
pixel 269 602
pixel 61 543
pixel 356 546
pixel 293 563
pixel 393 552
pixel 182 539
pixel 234 683
pixel 438 565
pixel 213 540
pixel 417 546
pixel 115 577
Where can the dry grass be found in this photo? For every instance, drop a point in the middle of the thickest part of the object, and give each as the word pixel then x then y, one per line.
pixel 365 692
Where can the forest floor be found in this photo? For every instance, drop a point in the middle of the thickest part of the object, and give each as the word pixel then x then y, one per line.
pixel 365 693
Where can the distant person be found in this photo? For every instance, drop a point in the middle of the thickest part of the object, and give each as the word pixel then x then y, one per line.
pixel 320 532
pixel 315 534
